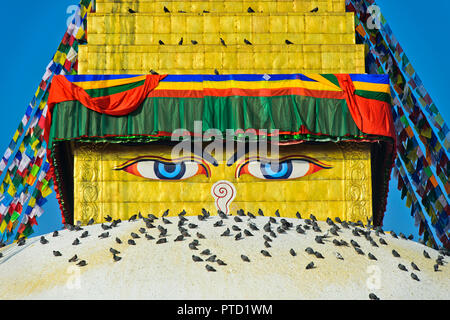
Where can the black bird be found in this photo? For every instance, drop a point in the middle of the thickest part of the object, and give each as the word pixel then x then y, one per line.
pixel 338 220
pixel 402 267
pixel 166 10
pixel 267 238
pixel 209 268
pixel 334 232
pixel 250 10
pixel 382 241
pixel 393 234
pixel 206 252
pixel 43 240
pixel 313 217
pixel 247 42
pixel 162 240
pixel 251 215
pixel 298 215
pixel 142 230
pixel 308 221
pixel 373 243
pixel 288 42
pixel 149 237
pixel 91 221
pixel 372 296
pixel 237 219
pixel 223 42
pixel 82 263
pixel 104 235
pixel 135 235
pixel 161 42
pixel 355 233
pixel 133 217
pixel 116 258
pixel 436 267
pixel 192 225
pixel 299 229
pixel 265 253
pixel 319 239
pixel 200 217
pixel 220 262
pixel 316 228
pixel 238 236
pixel 84 234
pixel 240 212
pixel 162 230
pixel 113 251
pixel 248 233
pixel 414 266
pixel 272 234
pixel 166 221
pixel 395 253
pixel 194 42
pixel 281 230
pixel 76 242
pixel 181 11
pixel 131 10
pixel 260 212
pixel 179 238
pixel 192 246
pixel 415 277
pixel 218 223
pixel 55 233
pixel 166 213
pixel 426 255
pixel 371 256
pixel 73 259
pixel 267 244
pixel 131 242
pixel 245 258
pixel 345 224
pixel 196 258
pixel 118 240
pixel 57 253
pixel 226 233
pixel 216 72
pixel 267 227
pixel 336 242
pixel 318 255
pixel 402 235
pixel 359 251
pixel 277 213
pixel 309 250
pixel 200 236
pixel 212 258
pixel 105 227
pixel 292 252
pixel 310 265
pixel 253 226
pixel 205 11
pixel 153 72
pixel 107 218
pixel 222 214
pixel 354 243
pixel 344 243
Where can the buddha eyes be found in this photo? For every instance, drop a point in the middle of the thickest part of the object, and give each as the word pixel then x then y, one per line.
pixel 163 169
pixel 285 169
pixel 157 168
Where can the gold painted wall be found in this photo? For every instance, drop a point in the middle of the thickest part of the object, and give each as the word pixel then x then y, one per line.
pixel 120 42
pixel 343 191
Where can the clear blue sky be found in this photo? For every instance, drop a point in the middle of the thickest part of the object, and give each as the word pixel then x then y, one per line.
pixel 34 30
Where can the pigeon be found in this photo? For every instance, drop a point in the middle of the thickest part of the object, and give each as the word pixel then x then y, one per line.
pixel 113 251
pixel 334 232
pixel 414 266
pixel 426 255
pixel 153 72
pixel 73 259
pixel 247 42
pixel 272 234
pixel 212 258
pixel 196 258
pixel 338 220
pixel 372 296
pixel 339 256
pixel 292 252
pixel 382 241
pixel 76 242
pixel 55 233
pixel 216 72
pixel 142 230
pixel 118 240
pixel 166 10
pixel 253 227
pixel 218 223
pixel 308 221
pixel 192 225
pixel 277 213
pixel 149 237
pixel 201 217
pixel 415 277
pixel 245 258
pixel 248 233
pixel 206 252
pixel 237 219
pixel 267 238
pixel 251 215
pixel 105 227
pixel 220 262
pixel 319 239
pixel 194 42
pixel 131 242
pixel 260 212
pixel 267 227
pixel 288 42
pixel 272 220
pixel 226 233
pixel 299 229
pixel 161 42
pixel 205 11
pixel 345 224
pixel 310 265
pixel 166 221
pixel 436 267
pixel 162 240
pixel 395 253
pixel 162 230
pixel 267 244
pixel 336 242
pixel 250 10
pixel 281 230
pixel 238 236
pixel 316 228
pixel 131 10
pixel 402 267
pixel 192 246
pixel 371 256
pixel 241 213
pixel 132 218
pixel 181 11
pixel 355 233
pixel 309 250
pixel 82 263
pixel 209 268
pixel 402 236
pixel 165 213
pixel 200 236
pixel 91 221
pixel 43 240
pixel 359 251
pixel 179 238
pixel 393 234
pixel 107 218
pixel 116 258
pixel 135 235
pixel 222 214
pixel 298 215
pixel 265 253
pixel 57 253
pixel 318 255
pixel 373 243
pixel 312 217
pixel 354 243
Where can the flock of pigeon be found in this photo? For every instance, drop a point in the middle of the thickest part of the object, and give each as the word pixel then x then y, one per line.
pixel 242 226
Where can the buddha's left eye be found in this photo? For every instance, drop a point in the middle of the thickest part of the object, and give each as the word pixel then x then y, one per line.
pixel 164 169
pixel 280 170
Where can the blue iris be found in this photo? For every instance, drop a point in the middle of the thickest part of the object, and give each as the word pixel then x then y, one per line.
pixel 281 170
pixel 169 171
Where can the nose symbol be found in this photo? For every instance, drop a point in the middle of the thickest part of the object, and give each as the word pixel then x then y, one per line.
pixel 223 192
